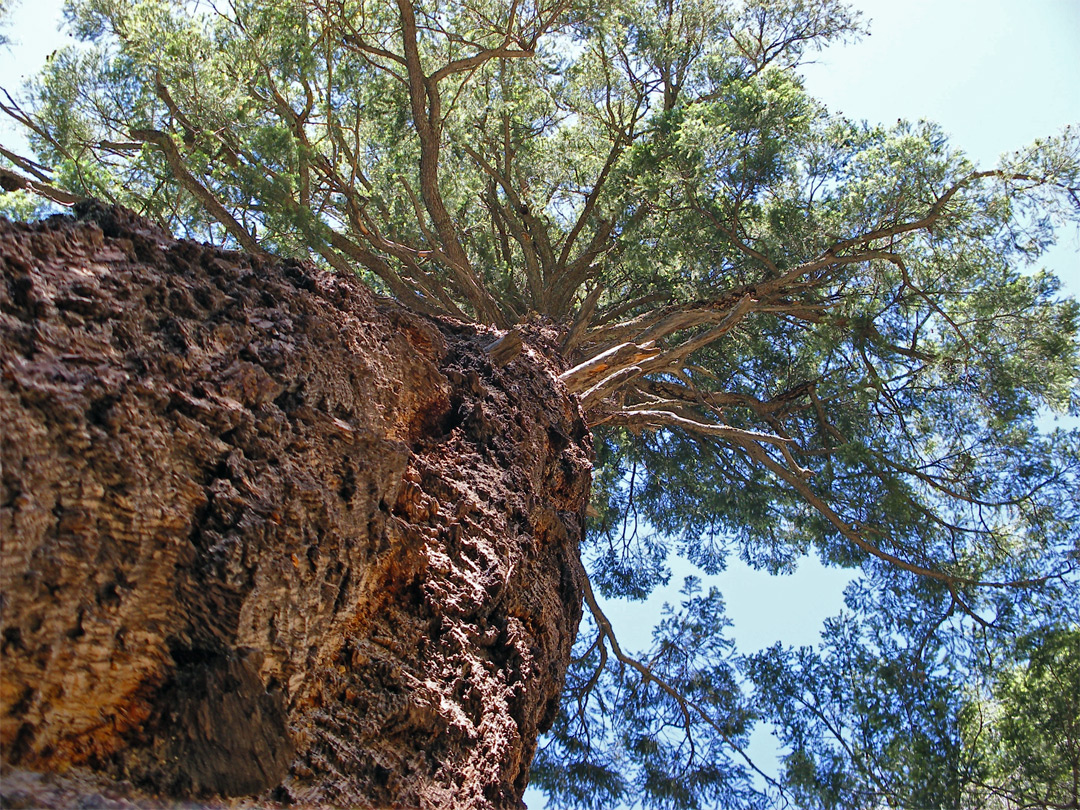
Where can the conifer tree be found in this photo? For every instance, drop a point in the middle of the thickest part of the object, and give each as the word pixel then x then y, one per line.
pixel 790 333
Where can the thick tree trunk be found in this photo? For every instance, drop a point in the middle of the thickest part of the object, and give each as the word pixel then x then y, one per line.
pixel 264 535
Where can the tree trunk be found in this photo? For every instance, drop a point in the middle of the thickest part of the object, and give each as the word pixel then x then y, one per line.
pixel 265 535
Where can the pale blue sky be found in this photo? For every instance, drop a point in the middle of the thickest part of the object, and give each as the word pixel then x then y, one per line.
pixel 996 74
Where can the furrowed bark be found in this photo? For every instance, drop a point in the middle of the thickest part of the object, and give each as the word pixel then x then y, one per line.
pixel 266 536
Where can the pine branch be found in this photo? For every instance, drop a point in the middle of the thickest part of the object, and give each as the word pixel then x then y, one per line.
pixel 206 198
pixel 688 707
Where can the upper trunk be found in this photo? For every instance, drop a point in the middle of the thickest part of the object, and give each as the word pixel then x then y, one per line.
pixel 266 535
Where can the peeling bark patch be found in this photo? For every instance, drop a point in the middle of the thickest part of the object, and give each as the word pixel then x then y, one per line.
pixel 264 535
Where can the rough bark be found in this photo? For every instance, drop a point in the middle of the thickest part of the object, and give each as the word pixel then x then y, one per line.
pixel 266 535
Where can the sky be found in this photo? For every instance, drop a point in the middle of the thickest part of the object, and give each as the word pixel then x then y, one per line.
pixel 996 74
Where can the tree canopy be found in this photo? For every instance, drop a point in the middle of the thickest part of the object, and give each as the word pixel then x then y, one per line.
pixel 791 333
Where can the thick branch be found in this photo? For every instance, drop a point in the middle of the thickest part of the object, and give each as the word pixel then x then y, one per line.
pixel 583 376
pixel 426 109
pixel 381 268
pixel 520 228
pixel 13 181
pixel 590 202
pixel 678 354
pixel 30 166
pixel 581 321
pixel 176 162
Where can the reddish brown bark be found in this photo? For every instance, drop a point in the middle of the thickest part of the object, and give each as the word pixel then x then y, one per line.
pixel 265 535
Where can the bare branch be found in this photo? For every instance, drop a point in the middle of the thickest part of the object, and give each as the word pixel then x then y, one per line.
pixel 39 171
pixel 629 306
pixel 745 306
pixel 13 181
pixel 607 385
pixel 505 349
pixel 647 417
pixel 583 376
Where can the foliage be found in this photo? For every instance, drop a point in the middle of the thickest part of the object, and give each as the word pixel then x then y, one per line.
pixel 24 206
pixel 5 12
pixel 1025 733
pixel 791 333
pixel 622 738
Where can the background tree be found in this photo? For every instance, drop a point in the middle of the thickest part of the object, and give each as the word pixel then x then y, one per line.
pixel 788 331
pixel 1023 730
